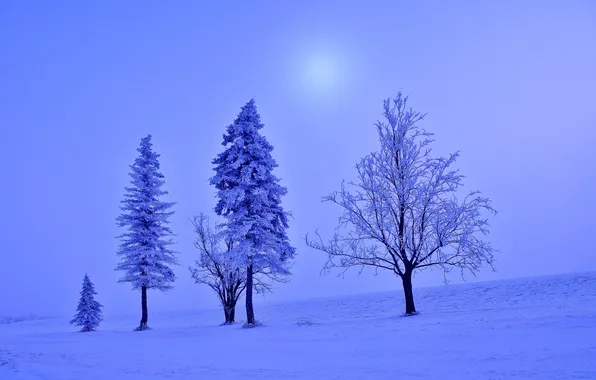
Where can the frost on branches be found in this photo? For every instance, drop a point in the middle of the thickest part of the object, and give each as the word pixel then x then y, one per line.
pixel 88 315
pixel 146 257
pixel 403 212
pixel 214 267
pixel 249 197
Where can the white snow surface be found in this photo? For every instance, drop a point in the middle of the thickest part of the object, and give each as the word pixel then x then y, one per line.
pixel 536 328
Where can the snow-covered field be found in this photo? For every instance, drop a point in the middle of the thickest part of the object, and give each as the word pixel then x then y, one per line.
pixel 538 328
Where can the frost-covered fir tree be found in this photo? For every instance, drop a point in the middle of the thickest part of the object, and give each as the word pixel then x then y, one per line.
pixel 88 315
pixel 250 200
pixel 145 253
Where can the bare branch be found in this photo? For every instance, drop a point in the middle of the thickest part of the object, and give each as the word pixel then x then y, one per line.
pixel 402 212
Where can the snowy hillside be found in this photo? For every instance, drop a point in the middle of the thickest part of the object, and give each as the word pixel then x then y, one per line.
pixel 539 328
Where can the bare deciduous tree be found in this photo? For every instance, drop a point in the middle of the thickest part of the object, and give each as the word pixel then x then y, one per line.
pixel 403 212
pixel 215 267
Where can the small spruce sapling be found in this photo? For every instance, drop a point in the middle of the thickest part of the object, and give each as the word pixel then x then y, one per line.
pixel 88 315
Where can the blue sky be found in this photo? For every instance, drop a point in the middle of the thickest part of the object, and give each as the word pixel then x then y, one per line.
pixel 511 84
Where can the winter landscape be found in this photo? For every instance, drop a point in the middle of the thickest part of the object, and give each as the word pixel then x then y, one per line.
pixel 537 328
pixel 298 190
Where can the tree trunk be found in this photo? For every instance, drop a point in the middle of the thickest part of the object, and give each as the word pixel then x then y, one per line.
pixel 233 314
pixel 408 293
pixel 230 312
pixel 144 316
pixel 250 313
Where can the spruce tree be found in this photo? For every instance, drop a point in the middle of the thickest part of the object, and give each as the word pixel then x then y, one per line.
pixel 88 315
pixel 145 253
pixel 249 197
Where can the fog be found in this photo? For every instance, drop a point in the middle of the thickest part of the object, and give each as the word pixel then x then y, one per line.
pixel 512 85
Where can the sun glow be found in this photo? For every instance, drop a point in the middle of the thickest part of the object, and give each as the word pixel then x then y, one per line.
pixel 321 73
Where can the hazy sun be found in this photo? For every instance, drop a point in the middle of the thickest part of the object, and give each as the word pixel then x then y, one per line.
pixel 321 73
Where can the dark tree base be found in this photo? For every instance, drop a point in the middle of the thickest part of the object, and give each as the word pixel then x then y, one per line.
pixel 145 314
pixel 410 314
pixel 252 325
pixel 250 312
pixel 230 313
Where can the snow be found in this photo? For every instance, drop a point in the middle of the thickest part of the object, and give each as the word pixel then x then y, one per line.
pixel 249 197
pixel 536 328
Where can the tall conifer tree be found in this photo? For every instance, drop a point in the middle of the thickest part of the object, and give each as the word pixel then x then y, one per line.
pixel 145 253
pixel 250 200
